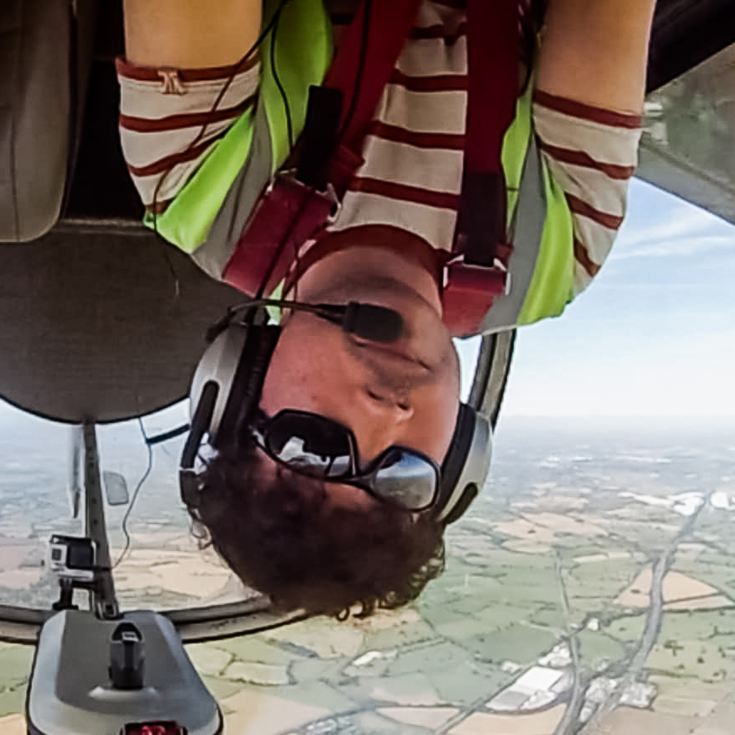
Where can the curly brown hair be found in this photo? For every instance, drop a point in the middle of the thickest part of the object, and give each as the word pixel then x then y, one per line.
pixel 277 532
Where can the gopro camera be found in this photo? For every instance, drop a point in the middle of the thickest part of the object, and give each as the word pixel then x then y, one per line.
pixel 72 558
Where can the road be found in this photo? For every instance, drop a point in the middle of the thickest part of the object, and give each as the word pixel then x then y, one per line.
pixel 637 661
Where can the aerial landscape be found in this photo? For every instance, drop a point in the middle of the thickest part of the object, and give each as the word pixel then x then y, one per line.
pixel 590 590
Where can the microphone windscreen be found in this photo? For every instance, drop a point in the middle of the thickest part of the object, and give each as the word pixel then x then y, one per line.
pixel 371 322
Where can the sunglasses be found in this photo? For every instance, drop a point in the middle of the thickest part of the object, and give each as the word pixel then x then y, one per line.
pixel 324 449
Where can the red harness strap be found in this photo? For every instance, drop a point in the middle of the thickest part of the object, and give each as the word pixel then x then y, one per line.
pixel 478 275
pixel 367 56
pixel 291 212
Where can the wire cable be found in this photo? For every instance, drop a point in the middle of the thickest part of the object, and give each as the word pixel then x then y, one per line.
pixel 146 474
pixel 273 22
pixel 289 129
pixel 354 100
pixel 277 78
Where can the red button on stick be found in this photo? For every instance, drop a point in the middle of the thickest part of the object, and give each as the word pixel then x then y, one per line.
pixel 154 728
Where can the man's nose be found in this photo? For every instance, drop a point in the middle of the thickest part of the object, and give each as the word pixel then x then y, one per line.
pixel 383 416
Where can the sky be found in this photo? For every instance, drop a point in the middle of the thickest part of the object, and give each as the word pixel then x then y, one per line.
pixel 654 334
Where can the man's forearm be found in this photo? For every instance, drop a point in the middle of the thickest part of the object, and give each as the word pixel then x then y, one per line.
pixel 596 51
pixel 190 33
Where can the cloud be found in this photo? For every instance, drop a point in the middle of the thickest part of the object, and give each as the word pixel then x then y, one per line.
pixel 660 225
pixel 693 244
pixel 677 223
pixel 644 287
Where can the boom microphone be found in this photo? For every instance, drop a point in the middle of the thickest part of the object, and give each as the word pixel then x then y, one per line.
pixel 371 322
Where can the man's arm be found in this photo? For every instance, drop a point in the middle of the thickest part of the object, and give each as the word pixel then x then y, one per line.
pixel 590 86
pixel 190 34
pixel 595 52
pixel 168 121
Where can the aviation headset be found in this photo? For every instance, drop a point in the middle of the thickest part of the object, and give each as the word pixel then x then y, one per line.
pixel 229 377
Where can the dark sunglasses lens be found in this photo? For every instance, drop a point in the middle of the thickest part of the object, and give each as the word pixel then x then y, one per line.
pixel 310 444
pixel 406 479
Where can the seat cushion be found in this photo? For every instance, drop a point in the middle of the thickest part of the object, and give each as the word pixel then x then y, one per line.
pixel 102 324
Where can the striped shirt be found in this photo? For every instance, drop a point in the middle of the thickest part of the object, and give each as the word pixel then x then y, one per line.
pixel 413 155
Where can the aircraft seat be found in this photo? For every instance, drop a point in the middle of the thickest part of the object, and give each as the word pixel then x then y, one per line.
pixel 45 51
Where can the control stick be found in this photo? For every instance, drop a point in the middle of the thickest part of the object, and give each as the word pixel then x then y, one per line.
pixel 127 658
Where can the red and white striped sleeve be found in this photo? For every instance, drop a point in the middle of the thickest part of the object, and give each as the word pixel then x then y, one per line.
pixel 592 154
pixel 168 124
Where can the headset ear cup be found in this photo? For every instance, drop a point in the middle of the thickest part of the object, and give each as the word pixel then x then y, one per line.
pixel 247 381
pixel 466 465
pixel 462 505
pixel 459 447
pixel 235 362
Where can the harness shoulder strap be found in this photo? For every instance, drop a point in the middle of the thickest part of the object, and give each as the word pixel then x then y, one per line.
pixel 473 279
pixel 493 51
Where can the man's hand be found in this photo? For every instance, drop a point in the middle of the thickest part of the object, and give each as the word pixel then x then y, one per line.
pixel 190 34
pixel 595 52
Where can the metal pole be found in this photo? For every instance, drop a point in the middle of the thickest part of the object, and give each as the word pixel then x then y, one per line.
pixel 103 598
pixel 74 488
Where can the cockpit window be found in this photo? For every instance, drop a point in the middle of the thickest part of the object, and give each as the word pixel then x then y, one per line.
pixel 688 144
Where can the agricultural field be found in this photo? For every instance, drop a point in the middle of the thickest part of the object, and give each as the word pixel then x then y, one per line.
pixel 592 585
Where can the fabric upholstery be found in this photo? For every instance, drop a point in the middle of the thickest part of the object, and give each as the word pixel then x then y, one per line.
pixel 44 49
pixel 101 324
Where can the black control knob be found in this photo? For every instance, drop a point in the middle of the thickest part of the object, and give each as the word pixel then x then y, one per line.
pixel 127 657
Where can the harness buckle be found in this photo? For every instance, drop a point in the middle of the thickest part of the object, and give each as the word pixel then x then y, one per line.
pixel 469 292
pixel 289 214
